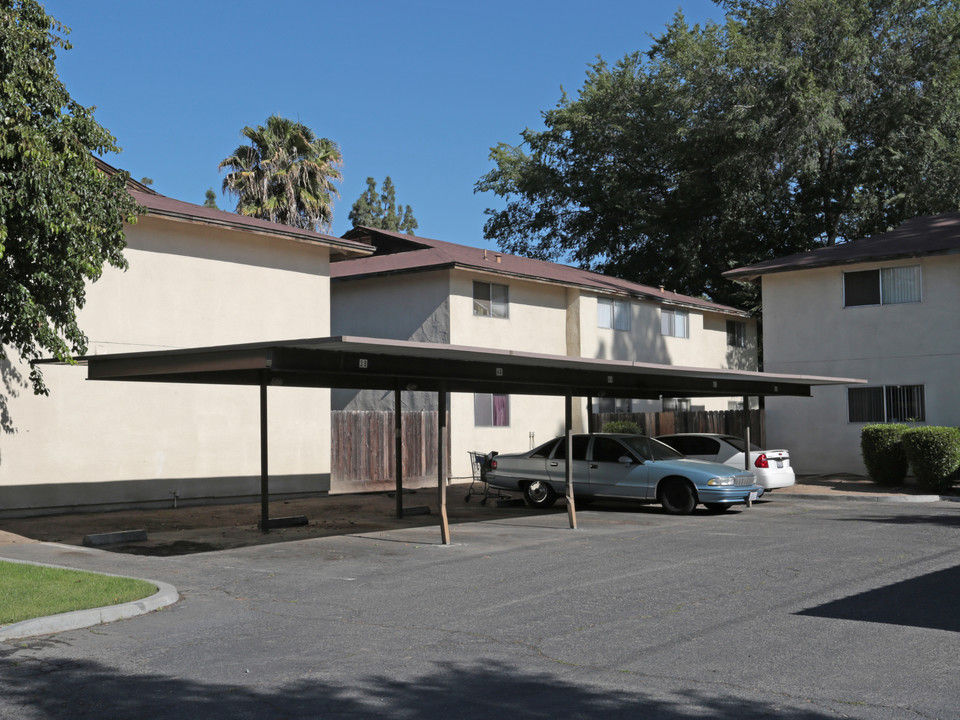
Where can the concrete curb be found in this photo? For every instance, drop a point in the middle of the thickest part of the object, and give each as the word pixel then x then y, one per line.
pixel 865 497
pixel 166 595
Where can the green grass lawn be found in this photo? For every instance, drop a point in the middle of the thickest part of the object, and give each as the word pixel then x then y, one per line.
pixel 30 591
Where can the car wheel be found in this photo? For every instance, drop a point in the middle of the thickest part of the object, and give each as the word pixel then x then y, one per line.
pixel 677 497
pixel 717 507
pixel 539 494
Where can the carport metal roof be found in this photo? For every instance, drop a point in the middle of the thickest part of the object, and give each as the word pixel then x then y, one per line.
pixel 371 363
pixel 376 364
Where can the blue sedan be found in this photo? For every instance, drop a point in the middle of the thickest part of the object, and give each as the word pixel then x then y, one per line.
pixel 619 466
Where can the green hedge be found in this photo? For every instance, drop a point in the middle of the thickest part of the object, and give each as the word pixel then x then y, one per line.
pixel 883 452
pixel 934 455
pixel 622 426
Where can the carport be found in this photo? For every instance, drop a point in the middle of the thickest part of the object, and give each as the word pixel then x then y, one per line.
pixel 377 364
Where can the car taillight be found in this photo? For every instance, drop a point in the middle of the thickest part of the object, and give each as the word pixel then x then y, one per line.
pixel 761 461
pixel 493 464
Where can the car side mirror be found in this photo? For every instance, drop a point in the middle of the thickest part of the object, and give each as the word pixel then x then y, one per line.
pixel 627 460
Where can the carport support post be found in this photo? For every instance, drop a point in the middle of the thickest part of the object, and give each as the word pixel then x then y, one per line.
pixel 746 438
pixel 264 465
pixel 441 465
pixel 568 424
pixel 398 448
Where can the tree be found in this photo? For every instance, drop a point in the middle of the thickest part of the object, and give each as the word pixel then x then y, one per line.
pixel 210 199
pixel 61 218
pixel 379 210
pixel 285 175
pixel 792 125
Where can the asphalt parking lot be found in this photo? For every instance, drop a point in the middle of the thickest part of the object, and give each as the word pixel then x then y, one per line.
pixel 795 608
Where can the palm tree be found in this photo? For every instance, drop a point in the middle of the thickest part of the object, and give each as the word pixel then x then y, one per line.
pixel 286 174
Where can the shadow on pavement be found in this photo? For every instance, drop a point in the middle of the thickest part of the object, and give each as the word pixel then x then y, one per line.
pixel 81 689
pixel 925 601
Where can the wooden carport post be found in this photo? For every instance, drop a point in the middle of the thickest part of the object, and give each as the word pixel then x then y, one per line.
pixel 398 448
pixel 568 424
pixel 746 438
pixel 441 465
pixel 264 460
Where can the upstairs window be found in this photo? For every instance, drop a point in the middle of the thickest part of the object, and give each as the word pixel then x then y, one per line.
pixel 675 323
pixel 736 334
pixel 613 314
pixel 887 403
pixel 887 286
pixel 490 300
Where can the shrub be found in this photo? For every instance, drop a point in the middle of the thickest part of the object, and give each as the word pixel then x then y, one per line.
pixel 934 455
pixel 883 453
pixel 622 426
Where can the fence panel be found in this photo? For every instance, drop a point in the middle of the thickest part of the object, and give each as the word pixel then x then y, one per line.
pixel 363 455
pixel 727 422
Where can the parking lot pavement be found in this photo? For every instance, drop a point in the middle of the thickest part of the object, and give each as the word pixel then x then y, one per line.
pixel 800 609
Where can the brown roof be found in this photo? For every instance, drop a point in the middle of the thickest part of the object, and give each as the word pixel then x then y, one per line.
pixel 158 205
pixel 925 235
pixel 399 253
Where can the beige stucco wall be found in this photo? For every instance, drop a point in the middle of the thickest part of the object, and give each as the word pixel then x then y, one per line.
pixel 98 443
pixel 808 331
pixel 537 323
pixel 542 318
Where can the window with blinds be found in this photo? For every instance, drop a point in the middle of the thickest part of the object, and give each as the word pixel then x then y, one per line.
pixel 886 403
pixel 613 314
pixel 887 286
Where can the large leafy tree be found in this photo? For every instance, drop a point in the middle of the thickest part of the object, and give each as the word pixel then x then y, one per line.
pixel 286 174
pixel 794 124
pixel 61 218
pixel 379 210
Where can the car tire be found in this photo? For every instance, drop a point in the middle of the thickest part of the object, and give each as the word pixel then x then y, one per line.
pixel 539 495
pixel 717 507
pixel 677 497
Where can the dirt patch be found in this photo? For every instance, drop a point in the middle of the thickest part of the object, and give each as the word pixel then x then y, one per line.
pixel 204 528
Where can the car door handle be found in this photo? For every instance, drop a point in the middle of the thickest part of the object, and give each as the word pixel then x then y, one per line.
pixel 593 466
pixel 553 464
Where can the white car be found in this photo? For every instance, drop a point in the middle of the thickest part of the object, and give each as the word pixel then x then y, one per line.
pixel 771 467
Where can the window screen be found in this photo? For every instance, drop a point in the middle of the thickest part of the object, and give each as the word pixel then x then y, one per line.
pixel 675 323
pixel 613 314
pixel 736 334
pixel 889 403
pixel 491 410
pixel 890 286
pixel 490 300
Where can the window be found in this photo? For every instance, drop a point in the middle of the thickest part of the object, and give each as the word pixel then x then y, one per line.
pixel 608 450
pixel 613 314
pixel 490 300
pixel 888 403
pixel 675 323
pixel 736 334
pixel 889 286
pixel 491 410
pixel 676 404
pixel 579 448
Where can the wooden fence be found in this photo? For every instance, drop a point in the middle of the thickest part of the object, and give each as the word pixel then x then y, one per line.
pixel 363 442
pixel 727 422
pixel 363 454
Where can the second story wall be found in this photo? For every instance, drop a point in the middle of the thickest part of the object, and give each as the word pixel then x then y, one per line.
pixel 807 327
pixel 518 314
pixel 193 286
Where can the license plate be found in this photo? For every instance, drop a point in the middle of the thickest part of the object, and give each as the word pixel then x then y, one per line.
pixel 753 496
pixel 779 463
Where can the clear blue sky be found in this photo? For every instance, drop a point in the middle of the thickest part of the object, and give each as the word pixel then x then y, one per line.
pixel 416 90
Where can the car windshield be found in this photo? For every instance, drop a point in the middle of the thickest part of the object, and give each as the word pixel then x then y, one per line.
pixel 738 443
pixel 650 449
